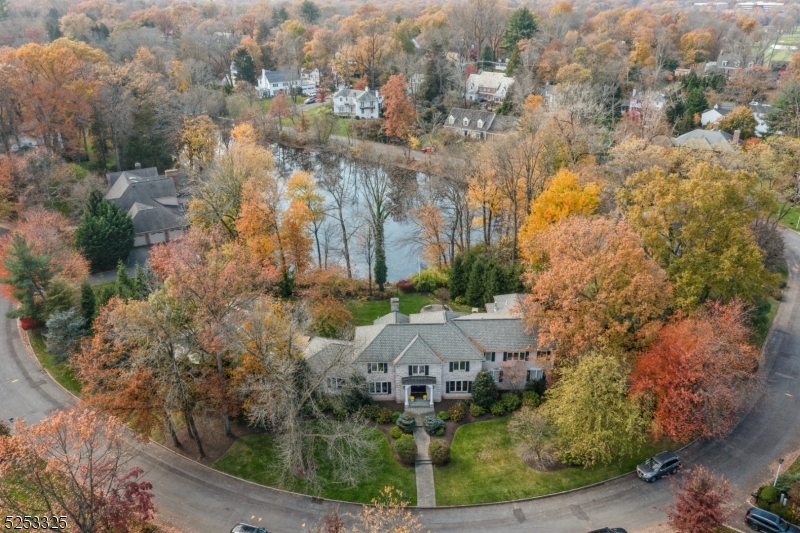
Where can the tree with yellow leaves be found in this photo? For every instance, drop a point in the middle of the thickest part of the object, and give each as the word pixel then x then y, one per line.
pixel 198 142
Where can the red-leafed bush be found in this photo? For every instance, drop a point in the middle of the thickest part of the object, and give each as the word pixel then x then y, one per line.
pixel 29 323
pixel 406 286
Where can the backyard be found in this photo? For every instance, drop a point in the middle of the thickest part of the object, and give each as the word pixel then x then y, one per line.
pixel 484 467
pixel 253 458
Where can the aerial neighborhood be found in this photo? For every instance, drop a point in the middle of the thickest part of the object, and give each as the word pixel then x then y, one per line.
pixel 365 267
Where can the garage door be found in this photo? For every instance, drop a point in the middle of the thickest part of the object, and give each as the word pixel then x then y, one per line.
pixel 158 236
pixel 140 240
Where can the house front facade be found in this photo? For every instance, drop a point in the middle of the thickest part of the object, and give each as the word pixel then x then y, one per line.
pixel 356 103
pixel 273 82
pixel 478 124
pixel 488 87
pixel 432 356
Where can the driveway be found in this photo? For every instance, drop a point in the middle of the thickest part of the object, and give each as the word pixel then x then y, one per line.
pixel 197 499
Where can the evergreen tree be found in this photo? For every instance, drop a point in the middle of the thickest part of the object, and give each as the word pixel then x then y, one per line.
pixel 494 281
pixel 5 9
pixel 245 66
pixel 124 285
pixel 61 296
pixel 475 289
pixel 380 266
pixel 143 282
pixel 459 277
pixel 29 276
pixel 148 143
pixel 487 57
pixel 484 390
pixel 94 202
pixel 88 302
pixel 52 24
pixel 513 62
pixel 696 102
pixel 521 25
pixel 64 330
pixel 105 237
pixel 309 11
pixel 279 16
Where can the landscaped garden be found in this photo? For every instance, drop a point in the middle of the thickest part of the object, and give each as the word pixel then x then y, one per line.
pixel 253 458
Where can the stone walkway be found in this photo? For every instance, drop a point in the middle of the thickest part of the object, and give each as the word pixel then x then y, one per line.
pixel 426 492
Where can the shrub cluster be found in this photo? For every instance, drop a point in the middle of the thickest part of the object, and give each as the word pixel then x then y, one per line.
pixel 530 399
pixel 430 279
pixel 406 449
pixel 439 451
pixel 458 412
pixel 443 415
pixel 384 415
pixel 476 410
pixel 406 423
pixel 29 323
pixel 370 412
pixel 406 286
pixel 433 424
pixel 537 385
pixel 508 403
pixel 396 432
pixel 395 416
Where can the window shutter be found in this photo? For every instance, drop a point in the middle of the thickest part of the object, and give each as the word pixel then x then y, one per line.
pixel 451 366
pixel 469 386
pixel 501 376
pixel 467 366
pixel 385 367
pixel 528 376
pixel 369 368
pixel 390 387
pixel 447 386
pixel 505 356
pixel 426 370
pixel 409 370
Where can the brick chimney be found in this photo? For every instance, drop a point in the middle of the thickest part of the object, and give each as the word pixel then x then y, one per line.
pixel 175 175
pixel 394 305
pixel 716 127
pixel 736 135
pixel 137 166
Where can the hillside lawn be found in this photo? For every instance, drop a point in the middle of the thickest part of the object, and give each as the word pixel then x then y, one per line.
pixel 253 458
pixel 485 467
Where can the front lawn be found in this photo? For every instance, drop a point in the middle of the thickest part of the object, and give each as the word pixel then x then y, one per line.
pixel 485 467
pixel 58 371
pixel 253 458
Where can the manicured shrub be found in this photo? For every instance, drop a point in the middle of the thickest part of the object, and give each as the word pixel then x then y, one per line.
pixel 769 494
pixel 537 385
pixel 498 409
pixel 384 415
pixel 476 410
pixel 530 399
pixel 396 432
pixel 787 481
pixel 440 432
pixel 432 424
pixel 429 280
pixel 443 415
pixel 484 389
pixel 784 512
pixel 370 412
pixel 406 449
pixel 511 401
pixel 406 422
pixel 439 451
pixel 29 323
pixel 395 416
pixel 406 286
pixel 458 412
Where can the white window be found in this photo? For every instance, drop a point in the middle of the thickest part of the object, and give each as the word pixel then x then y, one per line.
pixel 459 365
pixel 451 120
pixel 489 356
pixel 466 122
pixel 497 375
pixel 515 356
pixel 334 383
pixel 380 387
pixel 725 63
pixel 534 374
pixel 377 367
pixel 458 386
pixel 480 123
pixel 416 370
pixel 274 84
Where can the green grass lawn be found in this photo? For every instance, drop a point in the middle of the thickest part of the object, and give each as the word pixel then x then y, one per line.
pixel 59 371
pixel 365 312
pixel 252 458
pixel 484 467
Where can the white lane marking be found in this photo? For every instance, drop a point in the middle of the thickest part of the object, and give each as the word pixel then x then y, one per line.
pixel 783 375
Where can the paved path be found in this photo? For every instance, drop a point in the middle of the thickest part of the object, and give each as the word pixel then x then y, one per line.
pixel 200 500
pixel 426 492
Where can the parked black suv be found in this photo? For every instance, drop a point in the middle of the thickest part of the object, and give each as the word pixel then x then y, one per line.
pixel 609 530
pixel 247 528
pixel 658 466
pixel 761 520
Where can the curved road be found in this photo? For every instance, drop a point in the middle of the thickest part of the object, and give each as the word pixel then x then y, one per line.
pixel 198 499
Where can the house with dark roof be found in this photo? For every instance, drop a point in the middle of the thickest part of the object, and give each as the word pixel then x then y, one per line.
pixel 273 82
pixel 152 201
pixel 357 103
pixel 479 124
pixel 488 87
pixel 418 360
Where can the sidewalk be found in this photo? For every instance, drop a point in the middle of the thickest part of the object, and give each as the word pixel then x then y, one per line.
pixel 426 492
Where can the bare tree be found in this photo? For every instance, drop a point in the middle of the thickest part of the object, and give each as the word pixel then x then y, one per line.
pixel 340 184
pixel 533 435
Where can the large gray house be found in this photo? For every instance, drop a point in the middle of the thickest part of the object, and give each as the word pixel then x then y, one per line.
pixel 435 355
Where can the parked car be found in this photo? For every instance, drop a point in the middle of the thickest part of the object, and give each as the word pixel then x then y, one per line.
pixel 247 528
pixel 609 530
pixel 311 100
pixel 761 520
pixel 658 466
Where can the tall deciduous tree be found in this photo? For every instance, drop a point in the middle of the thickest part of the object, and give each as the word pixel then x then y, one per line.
pixel 700 503
pixel 399 110
pixel 595 420
pixel 594 285
pixel 700 373
pixel 198 142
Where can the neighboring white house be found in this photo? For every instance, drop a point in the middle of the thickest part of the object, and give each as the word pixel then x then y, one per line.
pixel 356 103
pixel 488 87
pixel 760 113
pixel 273 82
pixel 714 115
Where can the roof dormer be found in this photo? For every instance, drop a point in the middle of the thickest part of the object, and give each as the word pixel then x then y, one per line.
pixel 465 122
pixel 451 120
pixel 480 123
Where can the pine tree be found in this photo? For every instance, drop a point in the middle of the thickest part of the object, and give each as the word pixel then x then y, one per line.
pixel 493 281
pixel 106 237
pixel 29 276
pixel 245 66
pixel 521 25
pixel 458 276
pixel 380 266
pixel 142 282
pixel 64 330
pixel 475 288
pixel 124 285
pixel 309 11
pixel 487 57
pixel 88 302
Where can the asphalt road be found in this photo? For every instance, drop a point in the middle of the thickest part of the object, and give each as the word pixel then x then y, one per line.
pixel 198 499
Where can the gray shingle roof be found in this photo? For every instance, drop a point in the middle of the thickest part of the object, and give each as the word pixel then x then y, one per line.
pixel 149 218
pixel 392 318
pixel 128 190
pixel 458 114
pixel 417 353
pixel 497 334
pixel 149 172
pixel 705 139
pixel 445 340
pixel 281 76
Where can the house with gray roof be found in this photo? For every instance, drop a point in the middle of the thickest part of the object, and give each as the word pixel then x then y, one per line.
pixel 152 201
pixel 273 82
pixel 478 124
pixel 717 140
pixel 422 361
pixel 488 87
pixel 357 103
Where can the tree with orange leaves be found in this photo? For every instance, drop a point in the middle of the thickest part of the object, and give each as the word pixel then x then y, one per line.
pixel 700 373
pixel 431 235
pixel 594 285
pixel 76 464
pixel 399 110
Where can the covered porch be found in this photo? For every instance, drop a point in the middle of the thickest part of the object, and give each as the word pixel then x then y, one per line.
pixel 418 390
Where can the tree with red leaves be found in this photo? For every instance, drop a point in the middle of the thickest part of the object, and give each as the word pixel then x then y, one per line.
pixel 75 463
pixel 699 503
pixel 700 373
pixel 399 110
